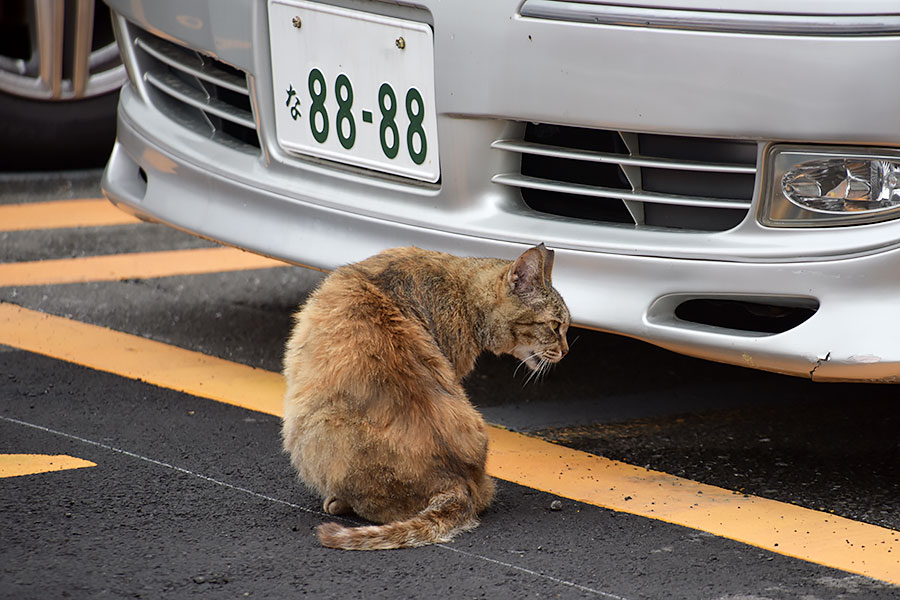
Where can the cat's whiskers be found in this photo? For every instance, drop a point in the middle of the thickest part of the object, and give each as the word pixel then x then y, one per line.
pixel 542 367
pixel 524 361
pixel 543 373
pixel 547 366
pixel 545 361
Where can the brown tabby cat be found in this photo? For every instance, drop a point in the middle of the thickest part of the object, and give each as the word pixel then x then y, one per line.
pixel 375 417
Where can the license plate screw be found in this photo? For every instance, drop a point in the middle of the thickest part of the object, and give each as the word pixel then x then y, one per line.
pixel 401 43
pixel 296 22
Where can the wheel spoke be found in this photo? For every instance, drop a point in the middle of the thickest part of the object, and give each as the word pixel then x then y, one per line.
pixel 50 17
pixel 84 33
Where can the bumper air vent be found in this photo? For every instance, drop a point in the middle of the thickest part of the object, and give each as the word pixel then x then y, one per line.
pixel 754 317
pixel 200 92
pixel 642 180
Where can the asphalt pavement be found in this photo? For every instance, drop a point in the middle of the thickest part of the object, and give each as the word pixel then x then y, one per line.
pixel 189 494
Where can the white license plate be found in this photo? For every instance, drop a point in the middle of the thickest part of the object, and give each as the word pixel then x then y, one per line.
pixel 354 87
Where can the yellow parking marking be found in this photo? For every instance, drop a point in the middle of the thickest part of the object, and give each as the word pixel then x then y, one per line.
pixel 139 265
pixel 802 533
pixel 62 213
pixel 16 465
pixel 139 358
pixel 810 535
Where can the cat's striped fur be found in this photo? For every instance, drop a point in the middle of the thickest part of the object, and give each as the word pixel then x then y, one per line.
pixel 376 419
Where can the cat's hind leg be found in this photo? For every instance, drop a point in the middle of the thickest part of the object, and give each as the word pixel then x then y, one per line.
pixel 335 506
pixel 483 492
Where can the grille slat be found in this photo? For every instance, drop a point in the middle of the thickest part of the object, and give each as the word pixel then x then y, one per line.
pixel 549 185
pixel 662 181
pixel 523 147
pixel 178 89
pixel 202 93
pixel 190 62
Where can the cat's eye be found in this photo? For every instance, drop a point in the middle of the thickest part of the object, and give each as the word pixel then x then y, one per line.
pixel 554 325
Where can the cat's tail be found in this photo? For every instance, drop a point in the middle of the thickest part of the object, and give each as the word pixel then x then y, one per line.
pixel 445 516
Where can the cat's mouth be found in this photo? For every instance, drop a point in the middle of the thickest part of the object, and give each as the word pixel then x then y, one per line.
pixel 538 361
pixel 552 356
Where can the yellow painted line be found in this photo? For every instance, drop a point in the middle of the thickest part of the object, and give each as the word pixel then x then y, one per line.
pixel 810 535
pixel 141 265
pixel 787 529
pixel 62 213
pixel 16 465
pixel 139 358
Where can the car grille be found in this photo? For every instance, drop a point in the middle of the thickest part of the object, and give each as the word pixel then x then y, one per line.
pixel 202 93
pixel 643 180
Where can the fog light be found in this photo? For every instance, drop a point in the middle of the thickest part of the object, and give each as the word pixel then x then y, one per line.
pixel 842 185
pixel 830 186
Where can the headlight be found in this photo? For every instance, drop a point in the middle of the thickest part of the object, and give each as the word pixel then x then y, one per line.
pixel 809 187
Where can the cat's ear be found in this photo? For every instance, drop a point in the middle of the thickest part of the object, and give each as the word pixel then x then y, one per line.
pixel 549 255
pixel 531 271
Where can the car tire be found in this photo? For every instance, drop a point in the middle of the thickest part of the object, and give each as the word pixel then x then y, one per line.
pixel 47 135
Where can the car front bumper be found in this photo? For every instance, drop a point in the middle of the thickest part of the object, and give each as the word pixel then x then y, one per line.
pixel 626 280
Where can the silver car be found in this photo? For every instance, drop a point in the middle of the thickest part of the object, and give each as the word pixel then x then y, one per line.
pixel 721 182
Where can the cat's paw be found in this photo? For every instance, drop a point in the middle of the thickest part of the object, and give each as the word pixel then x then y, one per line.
pixel 334 506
